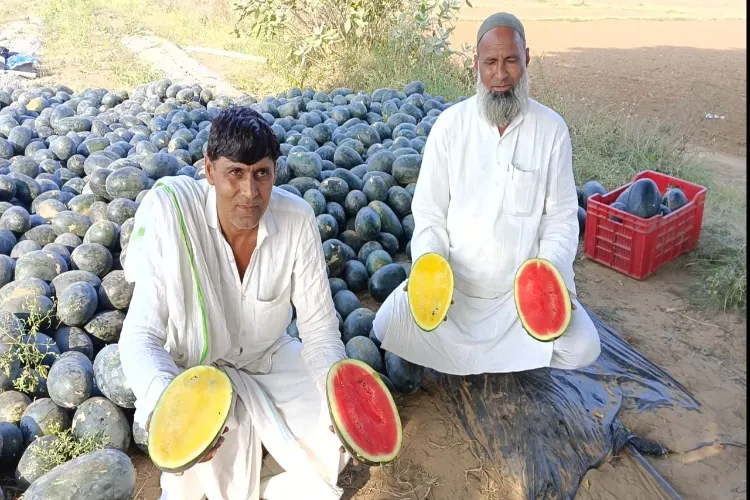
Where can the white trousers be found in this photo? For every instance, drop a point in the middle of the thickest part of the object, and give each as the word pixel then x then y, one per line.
pixel 236 467
pixel 482 336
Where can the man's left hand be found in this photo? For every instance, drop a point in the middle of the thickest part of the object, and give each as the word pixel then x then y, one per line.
pixel 355 462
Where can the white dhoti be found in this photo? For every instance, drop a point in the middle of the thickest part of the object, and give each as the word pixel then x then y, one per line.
pixel 237 465
pixel 482 336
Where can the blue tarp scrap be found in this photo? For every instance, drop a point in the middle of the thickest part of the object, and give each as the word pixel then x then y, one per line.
pixel 16 61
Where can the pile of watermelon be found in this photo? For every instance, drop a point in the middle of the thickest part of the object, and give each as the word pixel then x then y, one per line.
pixel 74 167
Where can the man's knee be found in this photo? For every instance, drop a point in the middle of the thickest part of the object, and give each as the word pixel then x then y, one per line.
pixel 590 346
pixel 580 346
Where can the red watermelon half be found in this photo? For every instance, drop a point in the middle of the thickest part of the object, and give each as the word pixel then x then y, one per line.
pixel 542 300
pixel 363 412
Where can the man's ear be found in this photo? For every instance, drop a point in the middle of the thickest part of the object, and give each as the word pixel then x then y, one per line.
pixel 476 61
pixel 209 168
pixel 528 57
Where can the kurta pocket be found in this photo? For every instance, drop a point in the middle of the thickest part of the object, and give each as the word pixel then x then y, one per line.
pixel 520 191
pixel 272 316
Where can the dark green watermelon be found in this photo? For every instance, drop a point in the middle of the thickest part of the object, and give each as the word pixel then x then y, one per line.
pixel 674 199
pixel 367 224
pixel 345 302
pixel 644 200
pixel 355 276
pixel 336 285
pixel 385 280
pixel 590 188
pixel 581 221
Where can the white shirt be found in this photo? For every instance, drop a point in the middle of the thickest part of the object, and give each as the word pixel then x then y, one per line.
pixel 487 203
pixel 286 267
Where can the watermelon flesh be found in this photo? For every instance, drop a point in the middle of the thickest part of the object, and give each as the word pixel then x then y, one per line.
pixel 542 300
pixel 363 412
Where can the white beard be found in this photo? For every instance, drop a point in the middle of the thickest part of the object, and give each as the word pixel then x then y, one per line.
pixel 499 109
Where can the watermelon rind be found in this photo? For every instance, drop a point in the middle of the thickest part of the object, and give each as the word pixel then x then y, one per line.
pixel 439 284
pixel 206 440
pixel 563 290
pixel 346 439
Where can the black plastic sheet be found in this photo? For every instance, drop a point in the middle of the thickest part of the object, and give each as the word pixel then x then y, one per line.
pixel 541 430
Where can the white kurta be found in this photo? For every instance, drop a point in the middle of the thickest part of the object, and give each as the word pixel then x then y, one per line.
pixel 190 307
pixel 487 203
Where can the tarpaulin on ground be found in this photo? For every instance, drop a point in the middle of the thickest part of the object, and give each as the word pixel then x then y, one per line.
pixel 544 429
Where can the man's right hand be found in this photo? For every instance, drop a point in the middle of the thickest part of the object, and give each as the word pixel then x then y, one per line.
pixel 211 453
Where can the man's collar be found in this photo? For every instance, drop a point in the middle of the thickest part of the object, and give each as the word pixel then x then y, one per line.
pixel 267 226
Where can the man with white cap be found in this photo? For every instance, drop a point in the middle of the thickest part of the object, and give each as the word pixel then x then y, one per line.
pixel 495 188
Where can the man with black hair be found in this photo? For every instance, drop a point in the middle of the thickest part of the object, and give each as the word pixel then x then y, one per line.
pixel 217 265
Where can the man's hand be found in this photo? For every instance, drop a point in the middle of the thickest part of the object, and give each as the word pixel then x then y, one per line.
pixel 209 455
pixel 355 462
pixel 406 288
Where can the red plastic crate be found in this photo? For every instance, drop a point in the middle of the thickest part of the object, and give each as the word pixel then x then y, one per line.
pixel 638 247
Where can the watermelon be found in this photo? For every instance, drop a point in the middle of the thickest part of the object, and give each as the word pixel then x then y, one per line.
pixel 377 259
pixel 644 199
pixel 13 404
pixel 366 250
pixel 674 199
pixel 345 303
pixel 367 224
pixel 405 376
pixel 430 291
pixel 581 221
pixel 590 188
pixel 189 418
pixel 100 474
pixel 375 188
pixel 110 378
pixel 385 280
pixel 542 300
pixel 336 285
pixel 357 323
pixel 362 348
pixel 99 417
pixel 12 449
pixel 70 379
pixel 77 304
pixel 355 275
pixel 363 412
pixel 42 417
pixel 36 461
